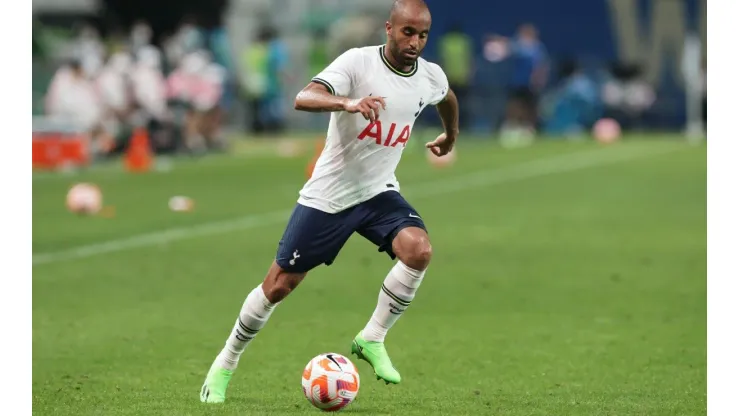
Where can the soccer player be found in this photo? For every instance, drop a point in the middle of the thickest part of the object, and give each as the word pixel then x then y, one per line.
pixel 375 94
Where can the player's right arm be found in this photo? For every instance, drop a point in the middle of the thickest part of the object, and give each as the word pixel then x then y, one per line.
pixel 316 98
pixel 330 90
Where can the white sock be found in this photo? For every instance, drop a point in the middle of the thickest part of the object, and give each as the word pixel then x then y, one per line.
pixel 398 289
pixel 253 316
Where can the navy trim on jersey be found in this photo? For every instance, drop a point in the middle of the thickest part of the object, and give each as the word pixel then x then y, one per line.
pixel 326 84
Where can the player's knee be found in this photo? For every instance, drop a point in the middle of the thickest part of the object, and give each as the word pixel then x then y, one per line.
pixel 422 255
pixel 418 255
pixel 279 284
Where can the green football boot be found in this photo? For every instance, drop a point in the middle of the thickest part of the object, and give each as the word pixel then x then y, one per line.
pixel 376 355
pixel 214 388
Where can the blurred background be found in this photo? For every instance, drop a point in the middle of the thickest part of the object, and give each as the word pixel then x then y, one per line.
pixel 201 76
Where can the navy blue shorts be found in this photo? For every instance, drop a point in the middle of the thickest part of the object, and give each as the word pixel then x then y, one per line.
pixel 313 237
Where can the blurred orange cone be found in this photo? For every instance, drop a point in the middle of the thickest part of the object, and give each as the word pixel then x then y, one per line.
pixel 139 156
pixel 311 165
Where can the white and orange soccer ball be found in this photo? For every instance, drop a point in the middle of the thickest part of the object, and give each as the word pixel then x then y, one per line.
pixel 442 161
pixel 607 130
pixel 330 382
pixel 85 199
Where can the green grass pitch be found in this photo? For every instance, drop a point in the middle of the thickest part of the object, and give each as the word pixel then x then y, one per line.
pixel 567 279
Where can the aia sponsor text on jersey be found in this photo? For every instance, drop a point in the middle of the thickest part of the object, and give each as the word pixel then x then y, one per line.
pixel 375 131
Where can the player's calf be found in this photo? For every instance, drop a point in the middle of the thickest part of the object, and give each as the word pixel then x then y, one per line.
pixel 414 252
pixel 279 283
pixel 255 312
pixel 253 315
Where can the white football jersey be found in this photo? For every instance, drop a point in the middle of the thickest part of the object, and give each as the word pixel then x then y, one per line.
pixel 359 159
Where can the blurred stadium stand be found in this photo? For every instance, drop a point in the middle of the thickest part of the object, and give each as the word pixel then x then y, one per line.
pixel 629 51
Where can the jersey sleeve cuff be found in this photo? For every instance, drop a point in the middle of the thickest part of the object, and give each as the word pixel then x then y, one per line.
pixel 325 83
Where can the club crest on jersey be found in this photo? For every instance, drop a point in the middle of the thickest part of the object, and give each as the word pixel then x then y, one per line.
pixel 421 107
pixel 375 131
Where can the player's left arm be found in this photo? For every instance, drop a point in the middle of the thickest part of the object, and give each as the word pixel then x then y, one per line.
pixel 449 112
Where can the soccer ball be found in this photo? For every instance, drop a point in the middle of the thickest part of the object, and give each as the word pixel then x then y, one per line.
pixel 607 130
pixel 84 198
pixel 330 382
pixel 442 161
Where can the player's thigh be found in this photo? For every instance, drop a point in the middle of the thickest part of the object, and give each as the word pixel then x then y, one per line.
pixel 388 214
pixel 311 238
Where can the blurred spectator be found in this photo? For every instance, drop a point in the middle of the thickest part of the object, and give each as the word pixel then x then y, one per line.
pixel 574 105
pixel 529 77
pixel 181 92
pixel 150 97
pixel 72 98
pixel 149 85
pixel 491 79
pixel 627 95
pixel 456 52
pixel 208 105
pixel 172 51
pixel 220 46
pixel 266 64
pixel 88 44
pixel 114 89
pixel 140 36
pixel 109 100
pixel 189 35
pixel 91 66
pixel 187 39
pixel 195 89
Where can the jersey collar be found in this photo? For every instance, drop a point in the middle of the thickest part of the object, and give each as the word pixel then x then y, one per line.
pixel 381 50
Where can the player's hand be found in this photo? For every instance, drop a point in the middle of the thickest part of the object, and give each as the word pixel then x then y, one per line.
pixel 369 107
pixel 442 145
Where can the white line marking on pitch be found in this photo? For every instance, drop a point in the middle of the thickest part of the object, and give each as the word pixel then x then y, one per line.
pixel 540 167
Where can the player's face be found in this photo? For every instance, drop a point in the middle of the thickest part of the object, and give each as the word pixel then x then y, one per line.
pixel 407 36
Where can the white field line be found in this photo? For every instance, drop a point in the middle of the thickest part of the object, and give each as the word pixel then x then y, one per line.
pixel 541 167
